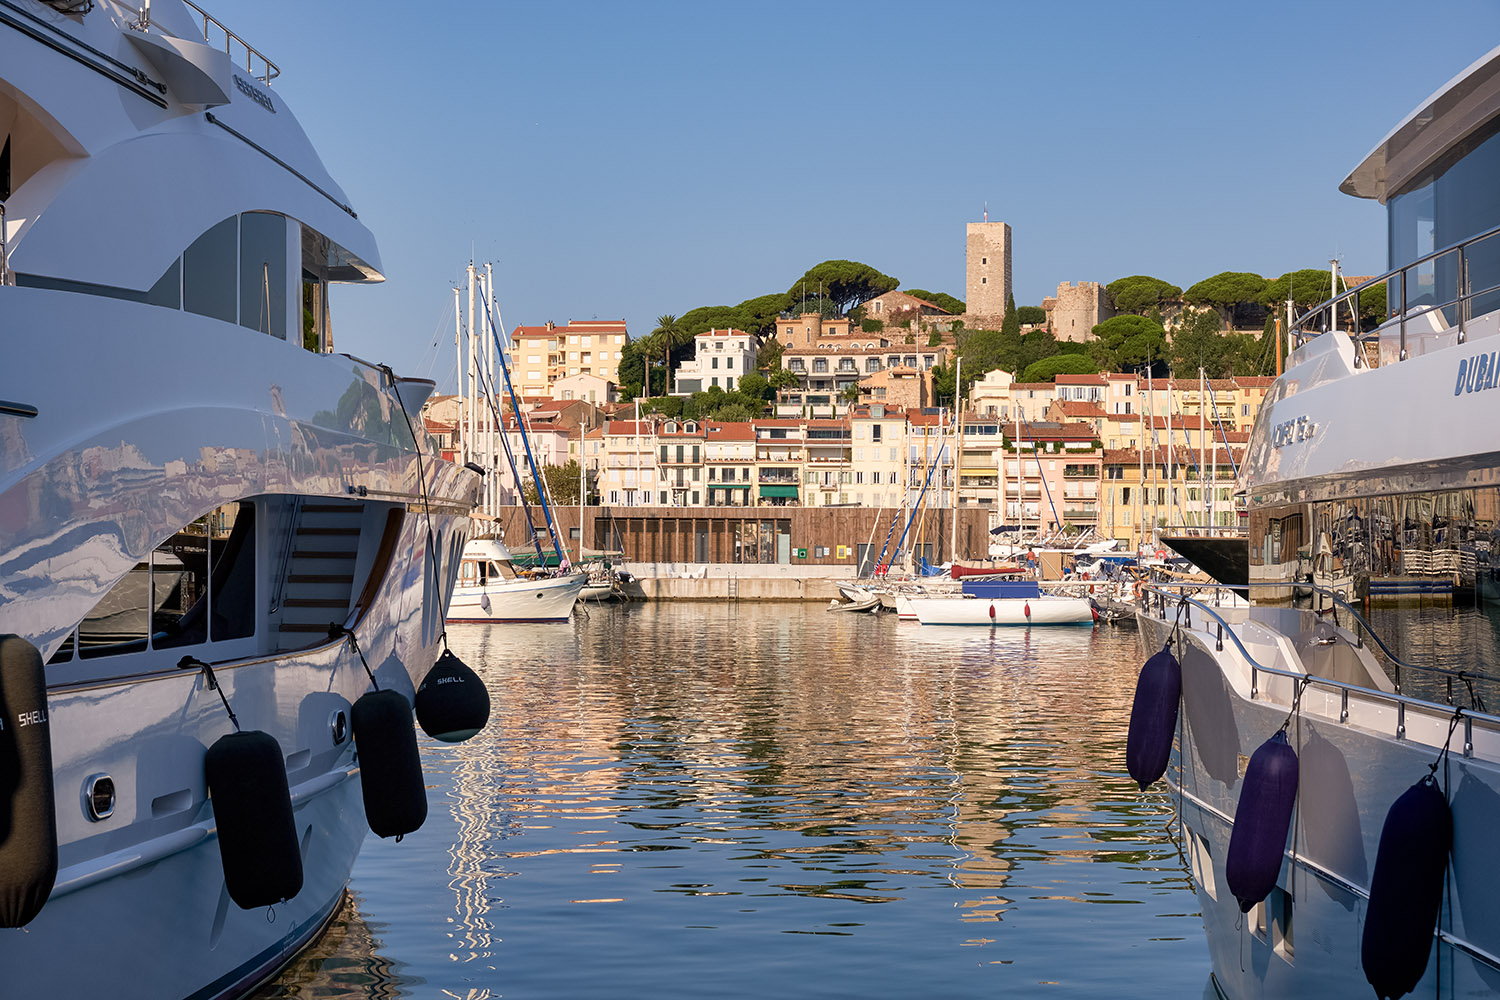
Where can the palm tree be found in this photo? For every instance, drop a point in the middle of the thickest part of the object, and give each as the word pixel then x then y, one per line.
pixel 670 335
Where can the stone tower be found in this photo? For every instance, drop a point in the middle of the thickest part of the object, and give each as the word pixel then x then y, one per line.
pixel 987 274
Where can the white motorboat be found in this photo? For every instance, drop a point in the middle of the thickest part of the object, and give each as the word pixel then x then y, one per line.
pixel 490 589
pixel 1339 806
pixel 202 509
pixel 1044 609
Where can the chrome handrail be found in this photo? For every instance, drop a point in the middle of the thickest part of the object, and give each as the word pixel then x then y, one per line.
pixel 1324 313
pixel 4 263
pixel 270 72
pixel 1401 701
pixel 1360 619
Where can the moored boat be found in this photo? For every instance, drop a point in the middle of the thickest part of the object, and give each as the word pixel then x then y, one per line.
pixel 207 516
pixel 1336 797
pixel 490 589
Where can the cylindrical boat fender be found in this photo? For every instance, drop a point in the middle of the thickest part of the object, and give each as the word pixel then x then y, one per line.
pixel 390 770
pixel 452 703
pixel 992 611
pixel 28 820
pixel 258 847
pixel 1261 821
pixel 1026 610
pixel 1406 890
pixel 1153 718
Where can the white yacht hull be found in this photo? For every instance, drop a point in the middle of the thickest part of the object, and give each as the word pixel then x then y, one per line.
pixel 1304 941
pixel 542 600
pixel 1024 611
pixel 87 492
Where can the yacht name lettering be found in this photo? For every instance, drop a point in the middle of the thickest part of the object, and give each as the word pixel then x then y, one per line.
pixel 254 93
pixel 1478 373
pixel 30 719
pixel 1292 431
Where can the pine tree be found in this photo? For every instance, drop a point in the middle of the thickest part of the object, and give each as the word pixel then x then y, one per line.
pixel 1012 322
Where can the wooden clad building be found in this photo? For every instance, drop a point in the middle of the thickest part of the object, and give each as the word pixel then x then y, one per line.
pixel 794 536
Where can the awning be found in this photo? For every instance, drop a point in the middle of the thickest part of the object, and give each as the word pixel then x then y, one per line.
pixel 729 486
pixel 779 491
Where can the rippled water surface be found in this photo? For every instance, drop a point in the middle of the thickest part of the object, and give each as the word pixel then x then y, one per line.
pixel 704 800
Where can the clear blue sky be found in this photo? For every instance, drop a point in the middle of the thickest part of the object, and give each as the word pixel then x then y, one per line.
pixel 633 159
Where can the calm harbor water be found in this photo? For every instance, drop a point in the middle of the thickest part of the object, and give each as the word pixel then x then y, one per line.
pixel 758 800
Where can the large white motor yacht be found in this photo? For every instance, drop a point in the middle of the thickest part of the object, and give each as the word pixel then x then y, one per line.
pixel 200 502
pixel 1339 803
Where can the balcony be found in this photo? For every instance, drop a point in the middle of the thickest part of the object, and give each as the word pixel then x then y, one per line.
pixel 789 476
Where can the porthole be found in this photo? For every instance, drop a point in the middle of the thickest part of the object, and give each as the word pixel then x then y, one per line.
pixel 99 797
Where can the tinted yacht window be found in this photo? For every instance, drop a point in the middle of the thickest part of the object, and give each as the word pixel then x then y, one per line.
pixel 263 273
pixel 210 270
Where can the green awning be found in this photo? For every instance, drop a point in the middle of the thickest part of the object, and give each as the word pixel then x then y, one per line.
pixel 779 491
pixel 729 486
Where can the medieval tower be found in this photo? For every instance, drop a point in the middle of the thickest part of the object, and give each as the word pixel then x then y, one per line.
pixel 987 273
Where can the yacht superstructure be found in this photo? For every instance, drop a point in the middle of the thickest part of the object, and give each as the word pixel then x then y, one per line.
pixel 203 509
pixel 1378 451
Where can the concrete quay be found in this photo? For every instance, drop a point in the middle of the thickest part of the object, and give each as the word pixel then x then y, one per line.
pixel 734 582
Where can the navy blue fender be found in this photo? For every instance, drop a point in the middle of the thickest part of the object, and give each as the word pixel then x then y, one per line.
pixel 1261 821
pixel 28 822
pixel 1153 718
pixel 1406 891
pixel 452 703
pixel 246 775
pixel 390 769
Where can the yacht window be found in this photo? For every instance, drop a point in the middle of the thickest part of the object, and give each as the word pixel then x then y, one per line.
pixel 263 273
pixel 163 598
pixel 209 272
pixel 168 289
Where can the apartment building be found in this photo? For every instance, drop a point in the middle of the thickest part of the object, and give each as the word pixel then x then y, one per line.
pixel 877 463
pixel 1147 493
pixel 778 461
pixel 729 458
pixel 679 462
pixel 826 373
pixel 627 472
pixel 539 356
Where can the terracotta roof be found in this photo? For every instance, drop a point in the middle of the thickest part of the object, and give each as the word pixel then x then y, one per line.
pixel 1032 432
pixel 1079 408
pixel 628 427
pixel 737 430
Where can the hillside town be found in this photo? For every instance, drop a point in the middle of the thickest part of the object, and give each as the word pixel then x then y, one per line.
pixel 855 421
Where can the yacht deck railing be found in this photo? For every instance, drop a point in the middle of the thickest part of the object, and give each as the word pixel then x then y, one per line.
pixel 1413 298
pixel 268 70
pixel 1167 598
pixel 4 266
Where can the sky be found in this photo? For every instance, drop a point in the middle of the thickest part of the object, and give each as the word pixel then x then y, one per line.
pixel 628 160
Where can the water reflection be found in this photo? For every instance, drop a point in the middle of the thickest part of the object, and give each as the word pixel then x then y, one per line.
pixel 774 798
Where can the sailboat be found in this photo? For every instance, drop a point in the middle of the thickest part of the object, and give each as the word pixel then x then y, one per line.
pixel 490 587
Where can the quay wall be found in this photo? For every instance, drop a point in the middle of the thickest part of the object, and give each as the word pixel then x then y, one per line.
pixel 750 553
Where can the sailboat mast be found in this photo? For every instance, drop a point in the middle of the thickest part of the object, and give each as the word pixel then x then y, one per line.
pixel 473 428
pixel 1202 444
pixel 463 391
pixel 1171 458
pixel 490 456
pixel 958 450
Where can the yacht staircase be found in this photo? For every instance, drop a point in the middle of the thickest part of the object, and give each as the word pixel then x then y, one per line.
pixel 319 583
